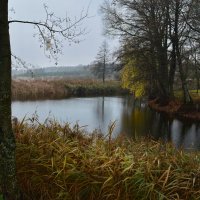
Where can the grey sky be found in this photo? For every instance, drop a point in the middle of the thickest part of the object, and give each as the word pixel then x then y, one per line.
pixel 25 46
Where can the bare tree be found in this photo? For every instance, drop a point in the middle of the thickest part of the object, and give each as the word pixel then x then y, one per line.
pixel 51 33
pixel 102 60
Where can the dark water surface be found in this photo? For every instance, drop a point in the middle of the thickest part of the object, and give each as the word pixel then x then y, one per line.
pixel 132 118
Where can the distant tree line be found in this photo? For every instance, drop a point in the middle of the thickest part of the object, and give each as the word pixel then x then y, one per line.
pixel 158 39
pixel 75 72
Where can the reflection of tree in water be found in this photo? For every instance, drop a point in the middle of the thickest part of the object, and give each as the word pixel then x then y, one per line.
pixel 182 134
pixel 126 124
pixel 197 134
pixel 136 118
pixel 161 127
pixel 103 113
pixel 185 135
pixel 99 110
pixel 102 109
pixel 140 121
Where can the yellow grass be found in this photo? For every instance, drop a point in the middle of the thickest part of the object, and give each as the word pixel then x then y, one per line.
pixel 59 162
pixel 62 88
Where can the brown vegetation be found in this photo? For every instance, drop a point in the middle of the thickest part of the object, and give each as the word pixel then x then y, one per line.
pixel 37 89
pixel 59 162
pixel 170 108
pixel 177 108
pixel 62 88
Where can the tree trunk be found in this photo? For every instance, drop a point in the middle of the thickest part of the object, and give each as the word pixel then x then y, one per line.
pixel 197 81
pixel 196 74
pixel 8 178
pixel 186 94
pixel 163 76
pixel 104 68
pixel 172 70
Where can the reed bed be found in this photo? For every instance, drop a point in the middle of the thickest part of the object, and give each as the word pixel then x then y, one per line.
pixel 33 89
pixel 58 162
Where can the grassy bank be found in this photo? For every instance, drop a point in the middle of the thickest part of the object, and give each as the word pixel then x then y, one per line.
pixel 177 108
pixel 61 88
pixel 59 162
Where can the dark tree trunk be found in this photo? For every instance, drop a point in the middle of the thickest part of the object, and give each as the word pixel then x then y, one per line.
pixel 197 81
pixel 172 70
pixel 164 75
pixel 197 74
pixel 104 68
pixel 186 94
pixel 8 178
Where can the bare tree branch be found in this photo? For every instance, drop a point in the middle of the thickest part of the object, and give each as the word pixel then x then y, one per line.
pixel 54 30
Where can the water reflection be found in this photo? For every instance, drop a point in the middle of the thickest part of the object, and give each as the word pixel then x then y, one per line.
pixel 139 120
pixel 133 118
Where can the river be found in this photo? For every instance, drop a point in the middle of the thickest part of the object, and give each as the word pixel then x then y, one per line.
pixel 131 118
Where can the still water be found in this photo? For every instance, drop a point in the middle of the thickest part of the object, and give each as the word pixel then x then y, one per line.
pixel 131 117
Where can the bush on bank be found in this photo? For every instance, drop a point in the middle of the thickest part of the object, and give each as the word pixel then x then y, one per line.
pixel 59 162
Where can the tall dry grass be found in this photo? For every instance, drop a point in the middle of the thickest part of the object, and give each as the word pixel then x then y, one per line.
pixel 59 162
pixel 61 88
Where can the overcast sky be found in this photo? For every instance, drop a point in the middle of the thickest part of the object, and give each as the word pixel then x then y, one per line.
pixel 25 46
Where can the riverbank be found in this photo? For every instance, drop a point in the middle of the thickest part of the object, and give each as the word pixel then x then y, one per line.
pixel 178 109
pixel 62 88
pixel 59 162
